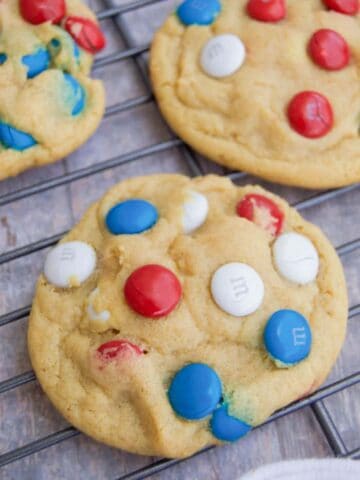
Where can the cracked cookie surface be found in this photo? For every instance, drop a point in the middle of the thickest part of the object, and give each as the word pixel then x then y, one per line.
pixel 49 106
pixel 121 320
pixel 239 111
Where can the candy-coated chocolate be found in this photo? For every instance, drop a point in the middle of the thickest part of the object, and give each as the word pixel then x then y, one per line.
pixel 3 58
pixel 153 291
pixel 118 349
pixel 237 289
pixel 78 99
pixel 41 11
pixel 195 211
pixel 131 216
pixel 287 337
pixel 195 391
pixel 36 62
pixel 329 49
pixel 296 258
pixel 310 114
pixel 11 137
pixel 222 55
pixel 267 10
pixel 227 428
pixel 86 33
pixel 199 12
pixel 349 7
pixel 70 264
pixel 263 211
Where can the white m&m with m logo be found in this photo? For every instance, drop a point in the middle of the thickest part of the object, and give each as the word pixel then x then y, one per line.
pixel 237 289
pixel 69 264
pixel 223 55
pixel 296 258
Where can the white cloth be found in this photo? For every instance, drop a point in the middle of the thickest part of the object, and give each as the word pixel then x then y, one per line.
pixel 324 469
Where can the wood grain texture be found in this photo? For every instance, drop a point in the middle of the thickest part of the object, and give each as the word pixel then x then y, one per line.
pixel 25 412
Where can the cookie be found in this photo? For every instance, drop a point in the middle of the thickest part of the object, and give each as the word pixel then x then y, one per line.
pixel 181 313
pixel 49 105
pixel 265 86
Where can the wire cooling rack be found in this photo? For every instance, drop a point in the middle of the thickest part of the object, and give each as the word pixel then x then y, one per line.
pixel 134 52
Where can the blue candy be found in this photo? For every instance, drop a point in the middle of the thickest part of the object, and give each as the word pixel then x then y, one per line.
pixel 195 391
pixel 36 62
pixel 78 96
pixel 227 428
pixel 199 12
pixel 287 337
pixel 16 139
pixel 131 216
pixel 3 58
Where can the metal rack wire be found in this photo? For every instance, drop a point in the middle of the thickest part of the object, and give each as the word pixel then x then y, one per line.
pixel 315 400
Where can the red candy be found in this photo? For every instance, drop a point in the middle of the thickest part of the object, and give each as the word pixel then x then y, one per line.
pixel 267 10
pixel 262 211
pixel 349 7
pixel 153 291
pixel 40 11
pixel 329 50
pixel 310 114
pixel 86 33
pixel 118 348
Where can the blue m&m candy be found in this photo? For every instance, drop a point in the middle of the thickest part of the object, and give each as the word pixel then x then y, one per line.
pixel 195 391
pixel 78 96
pixel 287 337
pixel 131 216
pixel 3 58
pixel 36 62
pixel 199 12
pixel 226 427
pixel 11 137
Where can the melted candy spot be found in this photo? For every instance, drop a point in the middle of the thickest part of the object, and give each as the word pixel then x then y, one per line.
pixel 152 291
pixel 78 97
pixel 226 427
pixel 36 62
pixel 287 338
pixel 262 211
pixel 11 137
pixel 198 12
pixel 195 391
pixel 118 349
pixel 3 58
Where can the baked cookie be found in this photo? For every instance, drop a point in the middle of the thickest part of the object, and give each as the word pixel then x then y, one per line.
pixel 270 87
pixel 48 104
pixel 180 313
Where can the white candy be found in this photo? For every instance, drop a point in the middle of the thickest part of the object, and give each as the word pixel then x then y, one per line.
pixel 237 289
pixel 102 316
pixel 70 264
pixel 222 55
pixel 296 258
pixel 195 210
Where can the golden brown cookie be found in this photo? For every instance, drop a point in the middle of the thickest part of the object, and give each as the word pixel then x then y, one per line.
pixel 270 87
pixel 180 313
pixel 49 105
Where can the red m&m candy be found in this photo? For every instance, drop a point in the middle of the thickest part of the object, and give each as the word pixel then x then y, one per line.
pixel 267 10
pixel 118 349
pixel 349 7
pixel 40 11
pixel 310 114
pixel 153 291
pixel 262 211
pixel 86 33
pixel 329 49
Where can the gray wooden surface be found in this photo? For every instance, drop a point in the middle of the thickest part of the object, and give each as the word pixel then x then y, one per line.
pixel 25 413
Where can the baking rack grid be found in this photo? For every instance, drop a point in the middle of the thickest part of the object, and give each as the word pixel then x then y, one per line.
pixel 315 400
